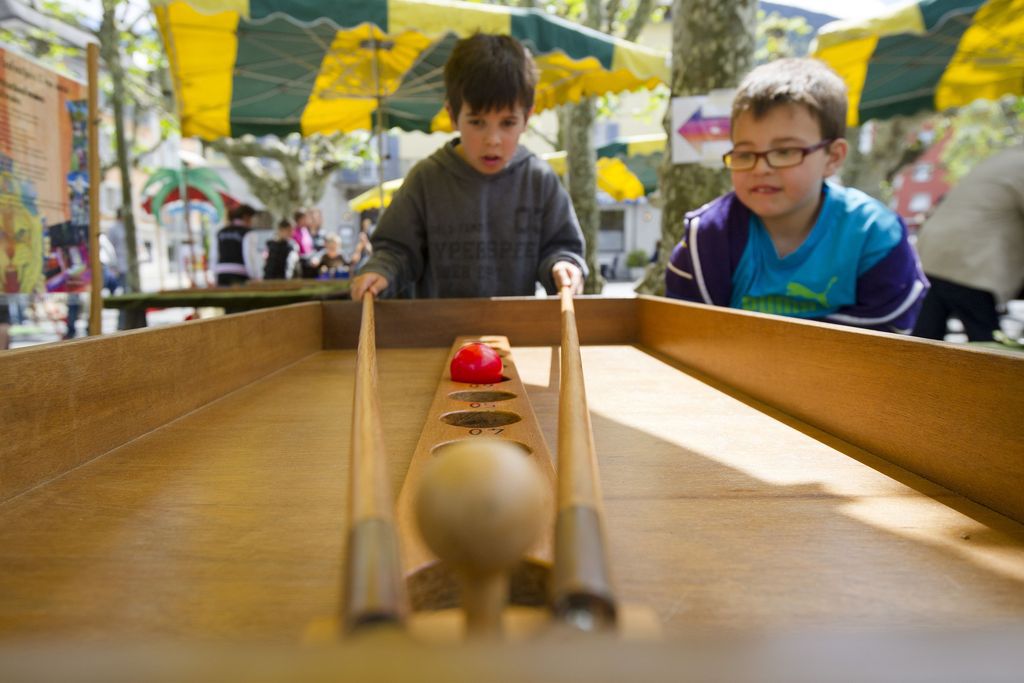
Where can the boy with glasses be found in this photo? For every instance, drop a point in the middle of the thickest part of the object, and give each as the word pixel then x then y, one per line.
pixel 786 241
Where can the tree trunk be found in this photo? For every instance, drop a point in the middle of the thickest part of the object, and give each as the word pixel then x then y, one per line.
pixel 577 126
pixel 712 47
pixel 577 122
pixel 111 51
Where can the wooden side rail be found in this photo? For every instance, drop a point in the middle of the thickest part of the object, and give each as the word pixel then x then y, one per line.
pixel 64 404
pixel 953 414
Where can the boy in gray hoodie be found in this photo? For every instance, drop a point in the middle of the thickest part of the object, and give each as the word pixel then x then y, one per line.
pixel 482 216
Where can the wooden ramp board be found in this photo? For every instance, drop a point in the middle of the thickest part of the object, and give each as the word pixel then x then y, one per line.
pixel 722 514
pixel 473 411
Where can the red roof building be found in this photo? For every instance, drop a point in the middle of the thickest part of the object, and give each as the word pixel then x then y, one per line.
pixel 919 186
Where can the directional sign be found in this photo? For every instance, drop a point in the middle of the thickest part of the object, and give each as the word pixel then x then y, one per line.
pixel 701 128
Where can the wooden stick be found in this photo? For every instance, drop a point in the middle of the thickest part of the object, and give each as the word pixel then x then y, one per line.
pixel 95 266
pixel 374 589
pixel 581 588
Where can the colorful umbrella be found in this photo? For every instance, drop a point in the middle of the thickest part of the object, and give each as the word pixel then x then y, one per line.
pixel 260 67
pixel 194 195
pixel 201 184
pixel 933 54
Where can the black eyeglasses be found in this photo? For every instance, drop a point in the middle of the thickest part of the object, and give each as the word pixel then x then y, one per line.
pixel 781 157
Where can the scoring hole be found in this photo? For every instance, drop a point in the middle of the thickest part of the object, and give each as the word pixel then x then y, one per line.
pixel 482 396
pixel 480 419
pixel 441 447
pixel 488 384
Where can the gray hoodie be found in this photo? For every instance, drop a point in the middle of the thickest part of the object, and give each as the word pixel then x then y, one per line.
pixel 451 231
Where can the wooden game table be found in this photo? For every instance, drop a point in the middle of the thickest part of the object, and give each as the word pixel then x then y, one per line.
pixel 770 486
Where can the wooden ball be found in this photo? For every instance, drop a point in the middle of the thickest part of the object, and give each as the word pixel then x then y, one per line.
pixel 481 505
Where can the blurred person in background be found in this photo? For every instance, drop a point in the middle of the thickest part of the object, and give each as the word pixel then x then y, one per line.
pixel 231 262
pixel 972 249
pixel 282 254
pixel 330 263
pixel 5 323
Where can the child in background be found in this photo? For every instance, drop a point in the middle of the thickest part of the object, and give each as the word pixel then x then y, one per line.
pixel 282 254
pixel 330 263
pixel 482 216
pixel 301 234
pixel 362 251
pixel 786 241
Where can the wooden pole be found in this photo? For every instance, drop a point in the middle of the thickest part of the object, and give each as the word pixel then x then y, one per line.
pixel 96 268
pixel 582 593
pixel 374 589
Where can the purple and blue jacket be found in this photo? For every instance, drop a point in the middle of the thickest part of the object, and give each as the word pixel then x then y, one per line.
pixel 889 294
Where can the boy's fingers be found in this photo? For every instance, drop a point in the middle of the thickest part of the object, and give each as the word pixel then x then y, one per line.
pixel 563 274
pixel 360 286
pixel 373 283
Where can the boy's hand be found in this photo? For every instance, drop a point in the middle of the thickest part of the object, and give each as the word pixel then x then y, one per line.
pixel 568 274
pixel 374 283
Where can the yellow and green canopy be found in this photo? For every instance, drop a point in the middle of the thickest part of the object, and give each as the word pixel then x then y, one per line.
pixel 929 55
pixel 371 199
pixel 641 155
pixel 281 66
pixel 627 167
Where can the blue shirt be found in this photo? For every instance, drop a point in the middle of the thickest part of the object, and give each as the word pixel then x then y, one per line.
pixel 853 232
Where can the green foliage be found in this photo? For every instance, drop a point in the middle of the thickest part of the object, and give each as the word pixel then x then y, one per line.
pixel 146 82
pixel 293 172
pixel 779 37
pixel 42 45
pixel 636 259
pixel 979 130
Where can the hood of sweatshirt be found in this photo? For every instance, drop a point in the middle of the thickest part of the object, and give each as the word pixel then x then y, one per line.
pixel 447 157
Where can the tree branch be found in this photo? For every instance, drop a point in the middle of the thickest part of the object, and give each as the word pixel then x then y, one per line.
pixel 610 10
pixel 539 133
pixel 641 16
pixel 139 155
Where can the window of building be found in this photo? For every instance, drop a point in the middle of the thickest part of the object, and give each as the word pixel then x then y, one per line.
pixel 922 201
pixel 612 233
pixel 922 173
pixel 110 197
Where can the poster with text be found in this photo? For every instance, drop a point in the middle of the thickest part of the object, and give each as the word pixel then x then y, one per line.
pixel 44 188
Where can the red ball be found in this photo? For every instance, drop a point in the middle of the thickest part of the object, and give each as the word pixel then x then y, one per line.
pixel 476 363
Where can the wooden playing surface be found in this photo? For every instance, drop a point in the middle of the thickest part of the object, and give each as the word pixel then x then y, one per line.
pixel 723 513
